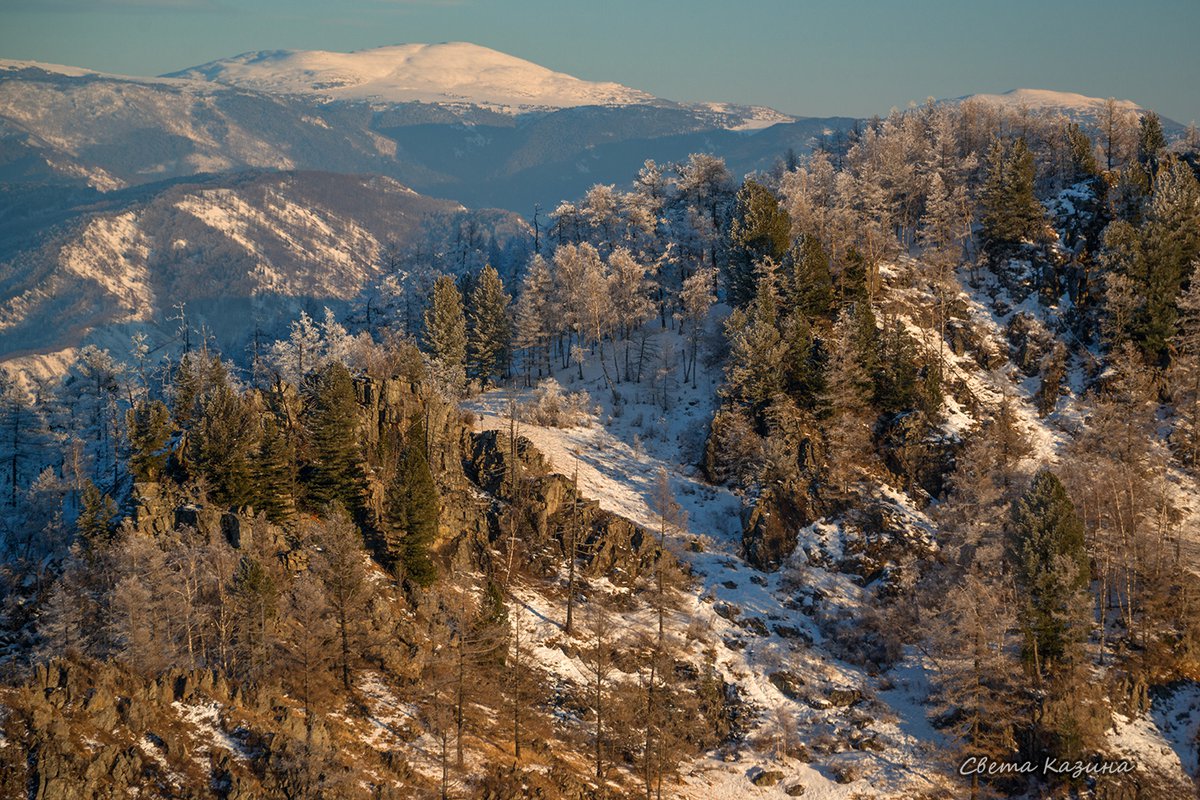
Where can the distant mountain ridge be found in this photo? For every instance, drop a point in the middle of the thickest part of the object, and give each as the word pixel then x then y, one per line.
pixel 1071 104
pixel 450 72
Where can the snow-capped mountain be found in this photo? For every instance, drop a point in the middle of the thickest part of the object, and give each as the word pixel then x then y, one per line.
pixel 450 72
pixel 455 121
pixel 1071 104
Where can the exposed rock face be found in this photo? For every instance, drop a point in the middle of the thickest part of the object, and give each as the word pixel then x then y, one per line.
pixel 606 544
pixel 772 529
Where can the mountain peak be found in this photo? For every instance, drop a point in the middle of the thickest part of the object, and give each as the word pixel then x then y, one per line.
pixel 1050 99
pixel 445 72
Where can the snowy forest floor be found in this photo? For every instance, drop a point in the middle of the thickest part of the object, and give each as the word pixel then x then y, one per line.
pixel 756 625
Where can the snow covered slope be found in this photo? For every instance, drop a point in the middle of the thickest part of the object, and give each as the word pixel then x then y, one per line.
pixel 450 72
pixel 242 252
pixel 1047 99
pixel 1079 107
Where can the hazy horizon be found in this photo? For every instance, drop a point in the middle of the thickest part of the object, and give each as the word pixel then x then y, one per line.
pixel 810 59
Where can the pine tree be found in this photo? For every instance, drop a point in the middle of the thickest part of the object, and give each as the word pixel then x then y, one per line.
pixel 761 229
pixel 754 372
pixel 490 334
pixel 1151 142
pixel 411 518
pixel 94 525
pixel 275 472
pixel 807 280
pixel 1051 568
pixel 446 330
pixel 221 445
pixel 1170 241
pixel 1083 155
pixel 149 429
pixel 334 469
pixel 1011 213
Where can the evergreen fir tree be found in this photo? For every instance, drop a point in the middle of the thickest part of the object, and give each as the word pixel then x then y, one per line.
pixel 807 281
pixel 1011 212
pixel 754 375
pixel 1051 567
pixel 446 329
pixel 275 473
pixel 1151 142
pixel 149 429
pixel 1083 155
pixel 761 229
pixel 1170 242
pixel 490 336
pixel 334 469
pixel 94 525
pixel 221 446
pixel 411 517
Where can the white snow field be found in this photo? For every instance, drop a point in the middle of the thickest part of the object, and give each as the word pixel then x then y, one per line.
pixel 449 72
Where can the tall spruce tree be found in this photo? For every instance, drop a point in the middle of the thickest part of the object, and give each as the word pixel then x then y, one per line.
pixel 1051 568
pixel 411 516
pixel 334 469
pixel 446 329
pixel 1151 142
pixel 490 335
pixel 806 278
pixel 1011 213
pixel 149 429
pixel 275 472
pixel 222 444
pixel 1170 242
pixel 761 229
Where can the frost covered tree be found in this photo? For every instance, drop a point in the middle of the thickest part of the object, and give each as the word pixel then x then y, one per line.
pixel 629 287
pixel 1185 373
pixel 1170 243
pixel 695 300
pixel 535 321
pixel 489 338
pixel 446 330
pixel 300 353
pixel 807 283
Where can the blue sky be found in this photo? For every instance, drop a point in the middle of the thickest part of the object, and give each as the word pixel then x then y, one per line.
pixel 814 57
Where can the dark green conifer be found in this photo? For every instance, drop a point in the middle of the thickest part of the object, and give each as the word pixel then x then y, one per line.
pixel 490 337
pixel 150 430
pixel 1051 567
pixel 333 472
pixel 761 229
pixel 411 516
pixel 807 281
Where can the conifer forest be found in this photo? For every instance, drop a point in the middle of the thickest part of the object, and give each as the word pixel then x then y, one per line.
pixel 861 464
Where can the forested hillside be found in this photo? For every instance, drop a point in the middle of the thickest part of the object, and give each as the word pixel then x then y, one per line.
pixel 844 479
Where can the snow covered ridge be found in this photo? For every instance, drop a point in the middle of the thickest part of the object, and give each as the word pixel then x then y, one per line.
pixel 1050 100
pixel 454 72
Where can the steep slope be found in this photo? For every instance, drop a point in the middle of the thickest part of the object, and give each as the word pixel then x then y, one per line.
pixel 242 253
pixel 73 127
pixel 450 72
